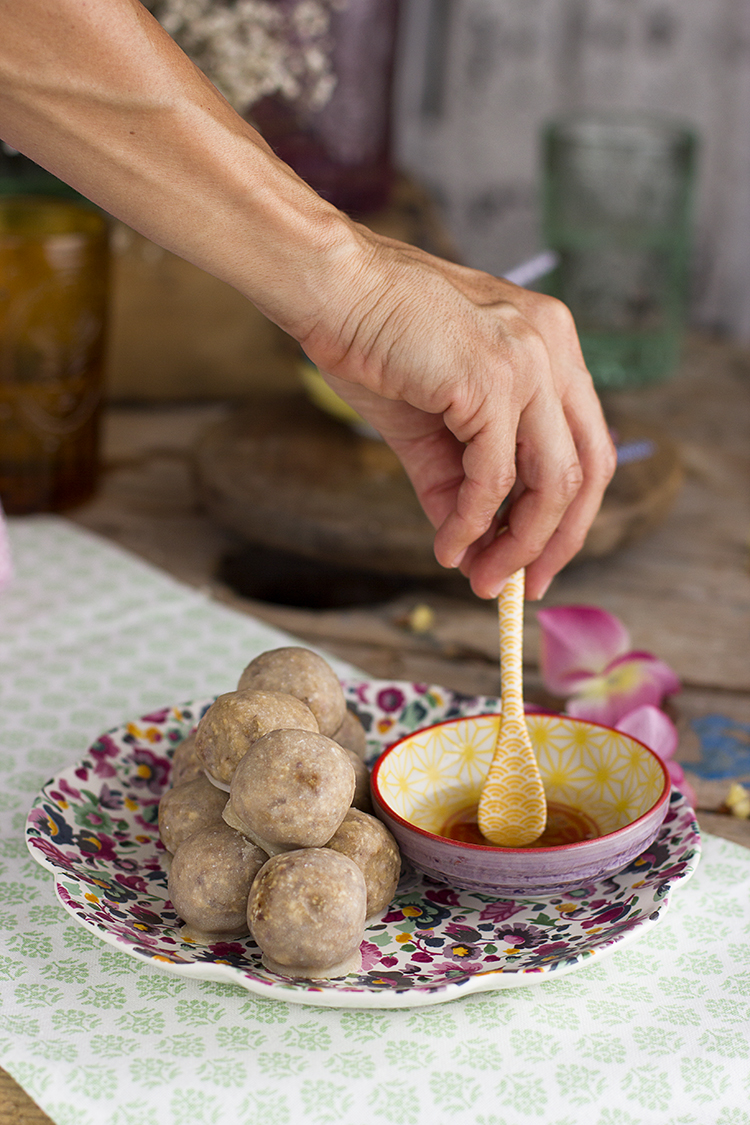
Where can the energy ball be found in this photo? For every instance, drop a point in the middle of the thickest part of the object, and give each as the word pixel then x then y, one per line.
pixel 186 765
pixel 306 911
pixel 182 811
pixel 352 735
pixel 209 883
pixel 361 799
pixel 302 673
pixel 238 719
pixel 371 846
pixel 291 790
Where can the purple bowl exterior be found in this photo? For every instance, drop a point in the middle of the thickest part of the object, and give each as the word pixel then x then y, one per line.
pixel 497 872
pixel 505 872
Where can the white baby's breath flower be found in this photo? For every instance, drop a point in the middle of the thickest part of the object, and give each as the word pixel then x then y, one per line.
pixel 254 48
pixel 310 19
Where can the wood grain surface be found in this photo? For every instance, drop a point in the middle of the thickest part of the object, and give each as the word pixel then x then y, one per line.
pixel 16 1107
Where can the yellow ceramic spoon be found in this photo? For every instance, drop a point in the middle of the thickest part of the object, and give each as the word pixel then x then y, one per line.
pixel 512 805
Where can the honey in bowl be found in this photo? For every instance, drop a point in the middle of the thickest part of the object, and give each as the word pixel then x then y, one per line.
pixel 565 825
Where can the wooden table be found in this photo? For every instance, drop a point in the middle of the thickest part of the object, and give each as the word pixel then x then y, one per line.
pixel 684 592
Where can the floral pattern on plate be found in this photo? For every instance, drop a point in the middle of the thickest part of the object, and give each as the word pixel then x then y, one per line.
pixel 94 826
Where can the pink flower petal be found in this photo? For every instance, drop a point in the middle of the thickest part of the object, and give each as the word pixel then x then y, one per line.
pixel 578 641
pixel 630 681
pixel 652 727
pixel 656 671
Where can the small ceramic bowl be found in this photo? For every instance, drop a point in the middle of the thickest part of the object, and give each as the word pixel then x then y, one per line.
pixel 607 795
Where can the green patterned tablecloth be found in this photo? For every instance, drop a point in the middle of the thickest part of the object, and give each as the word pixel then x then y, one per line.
pixel 655 1034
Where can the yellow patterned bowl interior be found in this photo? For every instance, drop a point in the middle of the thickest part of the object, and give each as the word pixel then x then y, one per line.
pixel 607 775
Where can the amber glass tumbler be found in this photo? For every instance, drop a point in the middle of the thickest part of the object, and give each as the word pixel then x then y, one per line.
pixel 54 265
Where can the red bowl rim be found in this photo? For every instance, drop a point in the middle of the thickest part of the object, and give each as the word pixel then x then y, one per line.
pixel 555 849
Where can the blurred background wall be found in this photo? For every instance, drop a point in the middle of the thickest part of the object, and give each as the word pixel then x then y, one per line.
pixel 476 80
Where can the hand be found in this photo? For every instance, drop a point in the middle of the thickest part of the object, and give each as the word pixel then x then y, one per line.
pixel 481 390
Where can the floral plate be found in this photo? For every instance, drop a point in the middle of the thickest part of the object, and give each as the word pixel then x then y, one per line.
pixel 95 828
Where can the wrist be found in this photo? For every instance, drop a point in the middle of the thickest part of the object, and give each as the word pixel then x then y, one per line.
pixel 291 251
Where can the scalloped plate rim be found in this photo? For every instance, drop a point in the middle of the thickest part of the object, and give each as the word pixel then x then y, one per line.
pixel 494 980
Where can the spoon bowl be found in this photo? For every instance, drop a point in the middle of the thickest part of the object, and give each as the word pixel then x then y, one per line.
pixel 606 792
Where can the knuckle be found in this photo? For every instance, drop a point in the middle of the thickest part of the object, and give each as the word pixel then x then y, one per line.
pixel 569 480
pixel 534 544
pixel 516 327
pixel 505 481
pixel 528 356
pixel 603 462
pixel 477 505
pixel 609 461
pixel 534 548
pixel 528 335
pixel 556 316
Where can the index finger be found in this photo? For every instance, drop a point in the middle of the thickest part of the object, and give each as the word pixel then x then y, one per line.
pixel 551 475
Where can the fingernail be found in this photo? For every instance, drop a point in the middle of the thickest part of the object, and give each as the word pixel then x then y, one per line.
pixel 499 589
pixel 543 590
pixel 459 559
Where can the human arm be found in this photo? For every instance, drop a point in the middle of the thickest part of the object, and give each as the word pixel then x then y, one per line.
pixel 470 379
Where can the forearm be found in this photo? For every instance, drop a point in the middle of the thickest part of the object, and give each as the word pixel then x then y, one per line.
pixel 97 92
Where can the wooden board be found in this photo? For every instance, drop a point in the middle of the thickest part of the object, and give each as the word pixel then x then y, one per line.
pixel 641 492
pixel 283 474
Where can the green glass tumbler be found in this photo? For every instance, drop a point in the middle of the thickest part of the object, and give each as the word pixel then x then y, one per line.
pixel 54 258
pixel 617 196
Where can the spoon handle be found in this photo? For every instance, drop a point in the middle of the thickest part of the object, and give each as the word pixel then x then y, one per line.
pixel 510 619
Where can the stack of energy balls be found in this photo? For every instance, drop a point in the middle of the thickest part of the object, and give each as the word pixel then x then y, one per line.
pixel 268 821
